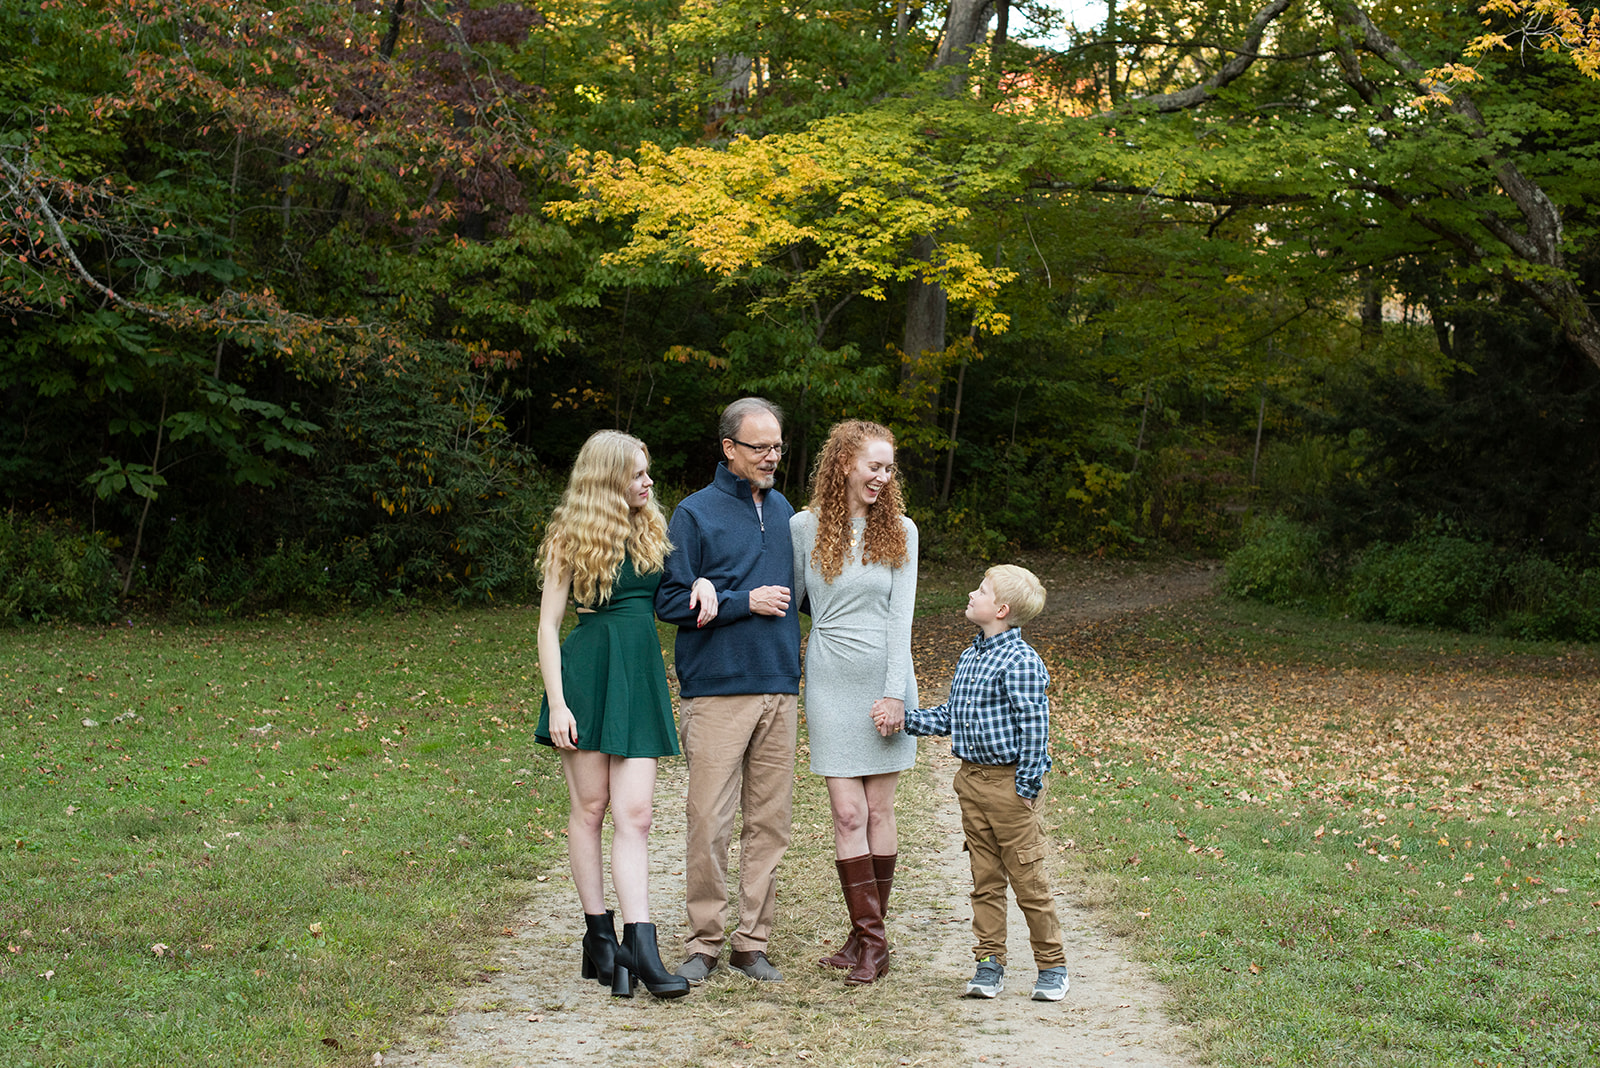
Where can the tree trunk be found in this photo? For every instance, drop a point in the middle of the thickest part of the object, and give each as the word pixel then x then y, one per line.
pixel 964 29
pixel 926 310
pixel 1261 422
pixel 1371 308
pixel 997 46
pixel 734 74
pixel 144 513
pixel 1113 86
pixel 955 427
pixel 927 304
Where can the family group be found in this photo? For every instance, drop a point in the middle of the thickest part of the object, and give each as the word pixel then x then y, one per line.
pixel 733 572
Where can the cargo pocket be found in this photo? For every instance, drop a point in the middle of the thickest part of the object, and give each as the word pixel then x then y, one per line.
pixel 1031 854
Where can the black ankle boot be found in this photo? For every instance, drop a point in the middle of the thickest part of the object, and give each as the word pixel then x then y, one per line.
pixel 639 956
pixel 599 948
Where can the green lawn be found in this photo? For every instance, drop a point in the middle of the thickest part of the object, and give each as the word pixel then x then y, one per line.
pixel 1343 844
pixel 278 842
pixel 262 842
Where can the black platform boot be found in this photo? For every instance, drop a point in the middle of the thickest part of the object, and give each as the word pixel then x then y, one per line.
pixel 639 957
pixel 599 948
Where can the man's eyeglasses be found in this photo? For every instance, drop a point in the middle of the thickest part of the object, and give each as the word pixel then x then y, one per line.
pixel 760 450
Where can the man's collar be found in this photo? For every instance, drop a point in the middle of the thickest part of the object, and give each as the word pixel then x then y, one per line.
pixel 731 483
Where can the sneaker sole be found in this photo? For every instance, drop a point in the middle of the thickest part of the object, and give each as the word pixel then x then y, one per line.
pixel 980 992
pixel 1052 995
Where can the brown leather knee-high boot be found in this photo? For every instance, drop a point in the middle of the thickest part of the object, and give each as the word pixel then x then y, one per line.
pixel 866 920
pixel 846 956
pixel 883 869
pixel 883 865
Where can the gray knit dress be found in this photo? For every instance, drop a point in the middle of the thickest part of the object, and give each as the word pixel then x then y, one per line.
pixel 859 650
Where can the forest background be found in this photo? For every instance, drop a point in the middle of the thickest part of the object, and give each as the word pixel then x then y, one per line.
pixel 312 306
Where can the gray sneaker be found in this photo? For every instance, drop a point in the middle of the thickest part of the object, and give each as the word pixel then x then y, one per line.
pixel 697 967
pixel 1051 985
pixel 988 980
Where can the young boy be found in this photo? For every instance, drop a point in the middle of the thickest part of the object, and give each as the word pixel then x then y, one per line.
pixel 998 719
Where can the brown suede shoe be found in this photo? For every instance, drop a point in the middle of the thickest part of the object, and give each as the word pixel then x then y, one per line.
pixel 754 963
pixel 697 967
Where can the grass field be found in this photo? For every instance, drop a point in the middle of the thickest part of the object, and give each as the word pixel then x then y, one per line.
pixel 1343 844
pixel 259 843
pixel 278 842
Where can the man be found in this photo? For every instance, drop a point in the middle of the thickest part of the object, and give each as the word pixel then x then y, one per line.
pixel 739 674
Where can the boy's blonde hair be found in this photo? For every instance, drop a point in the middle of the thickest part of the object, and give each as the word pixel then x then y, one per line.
pixel 1018 588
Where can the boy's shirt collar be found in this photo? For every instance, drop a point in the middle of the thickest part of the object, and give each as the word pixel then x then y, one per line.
pixel 983 642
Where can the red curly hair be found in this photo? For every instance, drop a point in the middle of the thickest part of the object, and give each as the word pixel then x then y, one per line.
pixel 885 538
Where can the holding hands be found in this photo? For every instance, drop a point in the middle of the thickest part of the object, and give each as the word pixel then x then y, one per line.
pixel 889 715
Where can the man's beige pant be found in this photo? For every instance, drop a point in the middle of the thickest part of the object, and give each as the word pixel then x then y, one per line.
pixel 1006 843
pixel 740 752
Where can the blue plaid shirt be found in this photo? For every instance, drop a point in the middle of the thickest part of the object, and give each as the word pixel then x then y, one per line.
pixel 998 711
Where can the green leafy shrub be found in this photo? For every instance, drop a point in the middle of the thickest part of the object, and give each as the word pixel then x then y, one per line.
pixel 51 570
pixel 1186 490
pixel 417 466
pixel 1042 500
pixel 1278 563
pixel 1436 579
pixel 1548 602
pixel 292 575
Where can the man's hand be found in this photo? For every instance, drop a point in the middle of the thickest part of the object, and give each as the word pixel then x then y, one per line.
pixel 703 595
pixel 769 600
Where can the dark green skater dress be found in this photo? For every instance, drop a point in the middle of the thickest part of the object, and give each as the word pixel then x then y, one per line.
pixel 613 675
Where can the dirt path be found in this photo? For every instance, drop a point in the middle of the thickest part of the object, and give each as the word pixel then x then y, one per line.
pixel 532 1009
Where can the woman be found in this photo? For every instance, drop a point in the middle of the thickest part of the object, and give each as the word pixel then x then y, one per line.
pixel 606 707
pixel 856 562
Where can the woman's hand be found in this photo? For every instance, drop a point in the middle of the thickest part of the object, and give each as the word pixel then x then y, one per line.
pixel 563 728
pixel 703 595
pixel 889 715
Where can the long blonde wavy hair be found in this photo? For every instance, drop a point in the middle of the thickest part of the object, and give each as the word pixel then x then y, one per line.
pixel 885 538
pixel 593 526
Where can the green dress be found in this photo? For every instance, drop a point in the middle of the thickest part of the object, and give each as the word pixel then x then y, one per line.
pixel 613 676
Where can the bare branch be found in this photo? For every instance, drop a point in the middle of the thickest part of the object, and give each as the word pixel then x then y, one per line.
pixel 1246 56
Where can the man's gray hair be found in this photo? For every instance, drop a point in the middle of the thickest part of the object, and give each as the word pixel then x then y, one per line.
pixel 733 416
